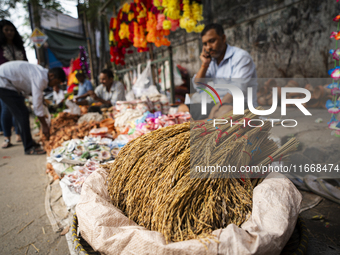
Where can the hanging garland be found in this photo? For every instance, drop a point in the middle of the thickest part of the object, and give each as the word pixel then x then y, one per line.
pixel 333 105
pixel 150 21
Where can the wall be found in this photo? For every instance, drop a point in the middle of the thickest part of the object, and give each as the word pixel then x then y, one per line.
pixel 286 38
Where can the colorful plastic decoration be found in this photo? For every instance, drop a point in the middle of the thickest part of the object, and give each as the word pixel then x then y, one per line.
pixel 335 54
pixel 335 91
pixel 335 35
pixel 335 73
pixel 332 85
pixel 333 107
pixel 337 18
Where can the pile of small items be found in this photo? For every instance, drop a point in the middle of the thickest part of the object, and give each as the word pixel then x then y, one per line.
pixel 152 121
pixel 93 148
pixel 64 128
pixel 78 175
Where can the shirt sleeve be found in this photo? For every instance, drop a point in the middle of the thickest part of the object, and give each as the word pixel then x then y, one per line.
pixel 244 72
pixel 208 74
pixel 38 96
pixel 88 86
pixel 119 94
pixel 97 91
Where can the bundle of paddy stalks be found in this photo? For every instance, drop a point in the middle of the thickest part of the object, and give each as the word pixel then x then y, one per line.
pixel 155 183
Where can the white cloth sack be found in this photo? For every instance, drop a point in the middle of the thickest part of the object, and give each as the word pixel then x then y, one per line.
pixel 276 205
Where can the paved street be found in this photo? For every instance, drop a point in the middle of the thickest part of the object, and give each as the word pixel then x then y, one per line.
pixel 23 221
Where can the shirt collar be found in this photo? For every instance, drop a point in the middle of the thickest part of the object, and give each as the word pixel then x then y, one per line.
pixel 113 87
pixel 228 53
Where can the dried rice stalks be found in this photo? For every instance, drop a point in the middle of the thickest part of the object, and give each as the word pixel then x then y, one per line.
pixel 151 181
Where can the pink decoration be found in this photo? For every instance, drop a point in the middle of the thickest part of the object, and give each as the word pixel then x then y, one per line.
pixel 160 19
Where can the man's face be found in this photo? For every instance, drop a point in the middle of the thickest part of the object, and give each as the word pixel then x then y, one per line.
pixel 106 81
pixel 213 44
pixel 81 78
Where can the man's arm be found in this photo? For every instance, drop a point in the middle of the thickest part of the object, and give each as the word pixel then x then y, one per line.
pixel 37 97
pixel 88 93
pixel 44 126
pixel 202 72
pixel 106 102
pixel 89 85
pixel 95 95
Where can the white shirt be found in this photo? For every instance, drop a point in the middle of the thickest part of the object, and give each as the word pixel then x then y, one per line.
pixel 58 97
pixel 25 78
pixel 116 93
pixel 237 66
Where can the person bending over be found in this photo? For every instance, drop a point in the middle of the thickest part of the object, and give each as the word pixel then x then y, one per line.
pixel 18 78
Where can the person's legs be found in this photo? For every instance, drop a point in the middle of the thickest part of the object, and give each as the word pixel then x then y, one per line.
pixel 1 132
pixel 16 129
pixel 6 123
pixel 16 105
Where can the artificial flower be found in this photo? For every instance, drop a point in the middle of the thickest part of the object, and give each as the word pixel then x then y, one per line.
pixel 166 24
pixel 124 31
pixel 335 91
pixel 156 3
pixel 335 35
pixel 126 8
pixel 335 54
pixel 333 107
pixel 332 85
pixel 337 18
pixel 336 74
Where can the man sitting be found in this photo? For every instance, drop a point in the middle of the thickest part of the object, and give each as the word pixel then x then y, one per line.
pixel 221 61
pixel 84 84
pixel 108 92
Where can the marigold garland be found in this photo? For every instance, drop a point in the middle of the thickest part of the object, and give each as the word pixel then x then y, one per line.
pixel 150 21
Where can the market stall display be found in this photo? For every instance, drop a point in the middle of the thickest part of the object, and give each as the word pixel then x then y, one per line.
pixel 146 21
pixel 79 174
pixel 79 151
pixel 169 200
pixel 66 127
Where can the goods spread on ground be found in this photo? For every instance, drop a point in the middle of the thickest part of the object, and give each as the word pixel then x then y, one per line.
pixel 66 127
pixel 151 179
pixel 76 175
pixel 93 148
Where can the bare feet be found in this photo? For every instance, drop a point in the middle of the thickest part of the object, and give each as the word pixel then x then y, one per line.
pixel 18 139
pixel 6 144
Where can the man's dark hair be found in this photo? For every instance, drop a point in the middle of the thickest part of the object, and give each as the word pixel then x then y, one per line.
pixel 80 74
pixel 108 72
pixel 218 28
pixel 58 73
